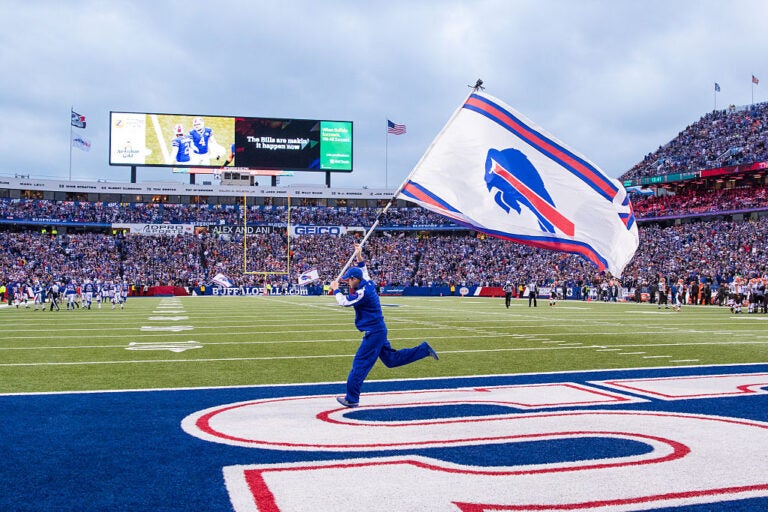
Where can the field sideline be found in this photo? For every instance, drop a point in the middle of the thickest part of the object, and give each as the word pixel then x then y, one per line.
pixel 158 343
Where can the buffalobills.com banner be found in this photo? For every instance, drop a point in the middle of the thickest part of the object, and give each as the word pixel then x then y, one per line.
pixel 495 171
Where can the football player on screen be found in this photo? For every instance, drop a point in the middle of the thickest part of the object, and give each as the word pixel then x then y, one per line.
pixel 182 146
pixel 204 145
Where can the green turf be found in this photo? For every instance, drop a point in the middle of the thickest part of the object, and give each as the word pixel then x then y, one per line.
pixel 268 340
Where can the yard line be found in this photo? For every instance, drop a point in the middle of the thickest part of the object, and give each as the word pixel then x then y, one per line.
pixel 270 358
pixel 516 337
pixel 355 339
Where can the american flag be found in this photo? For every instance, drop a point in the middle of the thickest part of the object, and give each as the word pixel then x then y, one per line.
pixel 755 80
pixel 395 129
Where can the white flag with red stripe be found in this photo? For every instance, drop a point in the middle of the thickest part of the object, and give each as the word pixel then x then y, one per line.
pixel 495 171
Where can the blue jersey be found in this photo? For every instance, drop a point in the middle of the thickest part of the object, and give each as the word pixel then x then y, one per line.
pixel 200 140
pixel 181 146
pixel 365 300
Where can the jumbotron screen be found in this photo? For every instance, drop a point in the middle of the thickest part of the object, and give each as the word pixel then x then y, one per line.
pixel 174 140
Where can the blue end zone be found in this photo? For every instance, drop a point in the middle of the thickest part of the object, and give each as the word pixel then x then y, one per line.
pixel 127 451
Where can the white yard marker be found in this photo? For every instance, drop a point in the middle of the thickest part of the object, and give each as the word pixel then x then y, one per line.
pixel 172 328
pixel 173 346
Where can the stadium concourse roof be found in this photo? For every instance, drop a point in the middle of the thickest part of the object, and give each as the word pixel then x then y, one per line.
pixel 183 189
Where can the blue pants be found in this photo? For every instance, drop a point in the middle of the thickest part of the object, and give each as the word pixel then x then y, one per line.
pixel 376 346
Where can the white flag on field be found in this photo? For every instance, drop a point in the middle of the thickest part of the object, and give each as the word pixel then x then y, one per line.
pixel 223 280
pixel 495 171
pixel 308 277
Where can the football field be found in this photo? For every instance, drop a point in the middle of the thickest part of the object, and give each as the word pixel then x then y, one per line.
pixel 229 341
pixel 228 404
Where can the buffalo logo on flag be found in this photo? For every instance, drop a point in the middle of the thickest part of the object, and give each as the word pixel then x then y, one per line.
pixel 222 280
pixel 495 171
pixel 308 277
pixel 517 183
pixel 81 143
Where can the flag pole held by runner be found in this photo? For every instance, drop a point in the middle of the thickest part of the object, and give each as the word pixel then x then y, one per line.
pixel 478 86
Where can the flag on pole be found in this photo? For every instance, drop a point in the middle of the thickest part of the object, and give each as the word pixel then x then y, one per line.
pixel 308 277
pixel 493 170
pixel 223 280
pixel 81 143
pixel 717 87
pixel 78 121
pixel 755 80
pixel 395 129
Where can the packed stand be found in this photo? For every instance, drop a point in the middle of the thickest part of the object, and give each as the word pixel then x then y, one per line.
pixel 716 252
pixel 721 138
pixel 42 210
pixel 698 202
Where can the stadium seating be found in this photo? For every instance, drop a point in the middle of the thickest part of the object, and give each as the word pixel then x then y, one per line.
pixel 706 234
pixel 720 138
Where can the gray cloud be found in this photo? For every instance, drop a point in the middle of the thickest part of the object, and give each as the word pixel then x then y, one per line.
pixel 612 79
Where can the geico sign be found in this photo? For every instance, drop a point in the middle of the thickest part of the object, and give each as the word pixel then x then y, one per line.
pixel 318 230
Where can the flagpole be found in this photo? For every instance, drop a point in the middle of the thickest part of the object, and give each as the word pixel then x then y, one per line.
pixel 478 86
pixel 71 109
pixel 386 156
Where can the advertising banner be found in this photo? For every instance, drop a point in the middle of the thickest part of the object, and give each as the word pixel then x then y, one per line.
pixel 156 229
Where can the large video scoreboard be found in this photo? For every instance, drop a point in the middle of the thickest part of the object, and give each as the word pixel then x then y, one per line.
pixel 175 140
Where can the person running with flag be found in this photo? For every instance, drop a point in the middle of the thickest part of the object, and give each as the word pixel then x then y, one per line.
pixel 369 320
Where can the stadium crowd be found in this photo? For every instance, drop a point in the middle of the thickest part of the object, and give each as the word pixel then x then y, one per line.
pixel 684 202
pixel 154 213
pixel 721 138
pixel 412 246
pixel 690 202
pixel 716 252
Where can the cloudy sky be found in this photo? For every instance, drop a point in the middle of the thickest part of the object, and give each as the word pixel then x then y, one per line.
pixel 613 79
